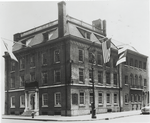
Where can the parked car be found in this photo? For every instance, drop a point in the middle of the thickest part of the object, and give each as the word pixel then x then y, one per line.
pixel 146 109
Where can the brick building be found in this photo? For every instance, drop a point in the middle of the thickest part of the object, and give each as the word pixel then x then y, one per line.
pixel 53 75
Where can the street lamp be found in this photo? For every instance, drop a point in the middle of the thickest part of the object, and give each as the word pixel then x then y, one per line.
pixel 93 104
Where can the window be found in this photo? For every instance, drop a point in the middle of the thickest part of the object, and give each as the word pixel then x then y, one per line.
pixel 107 78
pixel 91 57
pixel 22 63
pixel 44 59
pixel 136 80
pixel 115 98
pixel 32 76
pixel 126 98
pixel 90 76
pixel 145 82
pixel 144 65
pixel 81 77
pixel 80 55
pixel 140 80
pixel 136 98
pixel 82 99
pixel 126 79
pixel 108 98
pixel 12 99
pixel 100 98
pixel 140 64
pixel 99 59
pixel 12 66
pixel 131 78
pixel 132 98
pixel 91 97
pixel 57 56
pixel 58 99
pixel 100 77
pixel 32 61
pixel 21 80
pixel 57 76
pixel 12 84
pixel 136 63
pixel 131 62
pixel 44 100
pixel 139 98
pixel 44 77
pixel 115 79
pixel 84 33
pixel 22 101
pixel 47 35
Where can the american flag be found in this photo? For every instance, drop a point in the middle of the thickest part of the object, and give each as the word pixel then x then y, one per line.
pixel 122 51
pixel 106 50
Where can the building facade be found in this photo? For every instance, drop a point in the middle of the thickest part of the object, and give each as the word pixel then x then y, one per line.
pixel 54 72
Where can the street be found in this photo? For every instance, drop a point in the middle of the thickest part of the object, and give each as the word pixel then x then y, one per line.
pixel 131 119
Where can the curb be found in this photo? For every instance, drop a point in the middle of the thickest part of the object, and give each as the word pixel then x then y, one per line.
pixel 34 119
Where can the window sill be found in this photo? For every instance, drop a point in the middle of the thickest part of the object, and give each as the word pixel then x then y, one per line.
pixel 81 62
pixel 100 105
pixel 12 107
pixel 126 84
pixel 45 106
pixel 126 103
pixel 56 62
pixel 57 106
pixel 44 65
pixel 108 104
pixel 80 82
pixel 21 87
pixel 22 106
pixel 21 69
pixel 32 67
pixel 81 105
pixel 12 71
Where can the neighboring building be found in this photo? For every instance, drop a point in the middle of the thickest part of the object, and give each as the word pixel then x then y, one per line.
pixel 53 75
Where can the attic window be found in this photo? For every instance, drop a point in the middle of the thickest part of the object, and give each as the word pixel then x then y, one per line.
pixel 84 33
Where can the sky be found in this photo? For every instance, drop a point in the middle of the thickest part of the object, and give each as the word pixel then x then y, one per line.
pixel 127 20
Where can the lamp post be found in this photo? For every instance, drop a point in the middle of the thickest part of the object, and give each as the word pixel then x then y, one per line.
pixel 93 89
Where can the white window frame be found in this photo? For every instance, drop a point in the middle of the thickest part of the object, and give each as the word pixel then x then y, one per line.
pixel 80 104
pixel 44 72
pixel 108 103
pixel 21 82
pixel 12 81
pixel 82 55
pixel 43 105
pixel 116 98
pixel 55 102
pixel 21 105
pixel 43 59
pixel 31 76
pixel 11 105
pixel 82 75
pixel 55 56
pixel 100 103
pixel 55 75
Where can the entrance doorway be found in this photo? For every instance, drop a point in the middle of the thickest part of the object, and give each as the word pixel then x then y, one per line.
pixel 32 101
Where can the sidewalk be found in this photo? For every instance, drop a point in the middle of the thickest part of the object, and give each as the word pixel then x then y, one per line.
pixel 105 116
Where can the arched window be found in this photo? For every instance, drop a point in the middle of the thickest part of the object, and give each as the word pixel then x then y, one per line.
pixel 131 79
pixel 140 80
pixel 136 80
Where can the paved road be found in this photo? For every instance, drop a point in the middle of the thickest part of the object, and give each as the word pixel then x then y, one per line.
pixel 130 119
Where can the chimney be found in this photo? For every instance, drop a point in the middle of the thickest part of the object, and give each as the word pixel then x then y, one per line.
pixel 104 27
pixel 61 19
pixel 97 24
pixel 16 37
pixel 101 25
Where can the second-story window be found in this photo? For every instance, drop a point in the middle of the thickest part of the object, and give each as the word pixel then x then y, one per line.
pixel 145 82
pixel 115 79
pixel 81 75
pixel 57 56
pixel 99 59
pixel 57 76
pixel 32 61
pixel 126 79
pixel 136 63
pixel 80 55
pixel 107 78
pixel 44 59
pixel 100 77
pixel 140 64
pixel 12 66
pixel 44 77
pixel 32 76
pixel 12 82
pixel 22 80
pixel 22 63
pixel 144 65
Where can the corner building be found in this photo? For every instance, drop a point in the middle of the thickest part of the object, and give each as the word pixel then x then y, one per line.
pixel 53 75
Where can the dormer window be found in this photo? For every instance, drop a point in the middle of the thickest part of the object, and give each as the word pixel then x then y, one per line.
pixel 85 33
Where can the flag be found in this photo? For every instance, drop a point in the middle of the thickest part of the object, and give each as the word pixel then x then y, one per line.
pixel 9 49
pixel 122 51
pixel 106 50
